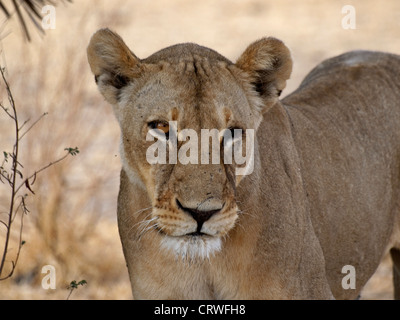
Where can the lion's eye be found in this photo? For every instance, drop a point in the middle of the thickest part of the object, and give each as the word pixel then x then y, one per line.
pixel 229 136
pixel 239 131
pixel 159 125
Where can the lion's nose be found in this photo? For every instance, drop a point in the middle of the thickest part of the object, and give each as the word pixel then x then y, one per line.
pixel 200 216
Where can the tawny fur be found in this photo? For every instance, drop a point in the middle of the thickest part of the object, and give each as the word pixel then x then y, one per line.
pixel 325 191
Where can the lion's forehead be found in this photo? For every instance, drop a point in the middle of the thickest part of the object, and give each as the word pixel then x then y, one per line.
pixel 205 95
pixel 185 52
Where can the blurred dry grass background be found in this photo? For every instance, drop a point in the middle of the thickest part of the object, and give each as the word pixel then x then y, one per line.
pixel 72 220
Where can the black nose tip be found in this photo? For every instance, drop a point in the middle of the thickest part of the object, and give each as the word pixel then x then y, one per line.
pixel 198 215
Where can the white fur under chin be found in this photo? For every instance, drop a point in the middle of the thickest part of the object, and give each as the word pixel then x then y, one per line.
pixel 191 248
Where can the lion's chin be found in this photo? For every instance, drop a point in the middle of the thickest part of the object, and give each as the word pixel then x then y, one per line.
pixel 192 247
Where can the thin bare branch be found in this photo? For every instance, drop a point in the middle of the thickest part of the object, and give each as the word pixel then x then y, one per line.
pixel 20 231
pixel 11 272
pixel 6 111
pixel 40 170
pixel 21 205
pixel 25 122
pixel 21 243
pixel 14 172
pixel 32 125
pixel 5 224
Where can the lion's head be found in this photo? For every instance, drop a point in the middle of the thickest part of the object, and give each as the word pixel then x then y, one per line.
pixel 195 88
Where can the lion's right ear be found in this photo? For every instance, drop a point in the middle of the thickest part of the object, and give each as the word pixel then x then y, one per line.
pixel 114 66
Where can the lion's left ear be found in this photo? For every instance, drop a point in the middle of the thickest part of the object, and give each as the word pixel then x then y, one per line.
pixel 269 65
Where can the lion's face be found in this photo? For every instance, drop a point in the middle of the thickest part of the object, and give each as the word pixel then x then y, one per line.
pixel 193 204
pixel 165 104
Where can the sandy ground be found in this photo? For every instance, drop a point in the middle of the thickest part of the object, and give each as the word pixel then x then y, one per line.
pixel 78 198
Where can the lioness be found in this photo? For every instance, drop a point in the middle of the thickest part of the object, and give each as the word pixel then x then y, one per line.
pixel 324 192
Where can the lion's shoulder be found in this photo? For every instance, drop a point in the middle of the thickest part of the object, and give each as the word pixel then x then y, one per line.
pixel 341 75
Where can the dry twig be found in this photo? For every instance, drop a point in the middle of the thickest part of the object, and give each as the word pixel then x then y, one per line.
pixel 15 179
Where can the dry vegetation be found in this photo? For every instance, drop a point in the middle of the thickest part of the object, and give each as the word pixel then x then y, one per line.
pixel 72 220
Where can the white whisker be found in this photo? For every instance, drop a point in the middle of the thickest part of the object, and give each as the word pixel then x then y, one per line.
pixel 137 212
pixel 145 226
pixel 140 223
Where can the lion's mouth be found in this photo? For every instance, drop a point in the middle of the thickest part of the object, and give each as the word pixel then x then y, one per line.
pixel 196 234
